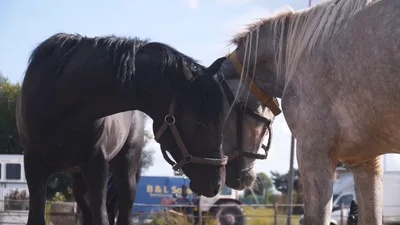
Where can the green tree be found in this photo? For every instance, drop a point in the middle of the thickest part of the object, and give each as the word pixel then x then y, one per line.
pixel 60 183
pixel 148 152
pixel 281 181
pixel 262 185
pixel 264 181
pixel 9 141
pixel 262 188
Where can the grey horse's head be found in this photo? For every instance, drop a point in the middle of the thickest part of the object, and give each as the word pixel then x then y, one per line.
pixel 249 116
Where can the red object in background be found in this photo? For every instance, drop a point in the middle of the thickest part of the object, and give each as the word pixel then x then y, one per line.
pixel 166 201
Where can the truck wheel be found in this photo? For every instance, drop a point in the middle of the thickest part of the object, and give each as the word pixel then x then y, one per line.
pixel 228 214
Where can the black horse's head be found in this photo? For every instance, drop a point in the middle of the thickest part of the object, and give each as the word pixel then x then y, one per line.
pixel 187 121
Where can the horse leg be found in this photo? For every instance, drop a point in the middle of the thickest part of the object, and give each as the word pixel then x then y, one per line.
pixel 95 175
pixel 317 169
pixel 37 173
pixel 125 167
pixel 368 182
pixel 81 197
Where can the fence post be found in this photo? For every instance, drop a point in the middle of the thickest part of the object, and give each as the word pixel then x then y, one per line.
pixel 275 213
pixel 341 214
pixel 200 213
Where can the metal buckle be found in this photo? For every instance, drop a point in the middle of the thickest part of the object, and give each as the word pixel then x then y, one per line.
pixel 220 77
pixel 169 120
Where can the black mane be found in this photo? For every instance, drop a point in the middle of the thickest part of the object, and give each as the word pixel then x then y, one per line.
pixel 60 48
pixel 171 57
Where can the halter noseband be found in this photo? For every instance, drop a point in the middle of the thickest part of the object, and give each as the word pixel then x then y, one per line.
pixel 242 109
pixel 169 122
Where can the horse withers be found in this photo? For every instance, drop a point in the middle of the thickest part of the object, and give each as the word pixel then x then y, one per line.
pixel 73 81
pixel 336 68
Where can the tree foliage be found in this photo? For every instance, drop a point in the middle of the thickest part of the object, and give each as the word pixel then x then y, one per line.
pixel 262 188
pixel 281 181
pixel 263 184
pixel 148 152
pixel 9 141
pixel 281 184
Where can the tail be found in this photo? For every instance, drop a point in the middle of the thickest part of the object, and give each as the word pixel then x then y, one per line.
pixel 111 201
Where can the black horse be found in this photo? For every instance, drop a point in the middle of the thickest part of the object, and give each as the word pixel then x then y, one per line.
pixel 73 81
pixel 126 167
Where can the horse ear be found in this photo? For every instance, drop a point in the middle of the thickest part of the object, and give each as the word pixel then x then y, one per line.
pixel 215 66
pixel 186 71
pixel 188 74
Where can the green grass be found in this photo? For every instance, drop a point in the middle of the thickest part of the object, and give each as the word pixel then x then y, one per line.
pixel 254 216
pixel 164 218
pixel 265 216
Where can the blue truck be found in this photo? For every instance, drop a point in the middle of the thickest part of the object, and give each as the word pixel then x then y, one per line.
pixel 155 193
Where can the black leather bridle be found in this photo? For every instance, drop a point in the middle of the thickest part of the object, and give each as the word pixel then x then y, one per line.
pixel 242 109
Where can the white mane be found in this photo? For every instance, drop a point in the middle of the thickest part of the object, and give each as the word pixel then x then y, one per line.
pixel 304 30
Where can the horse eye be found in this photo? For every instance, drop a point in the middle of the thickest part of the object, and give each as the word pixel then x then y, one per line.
pixel 194 67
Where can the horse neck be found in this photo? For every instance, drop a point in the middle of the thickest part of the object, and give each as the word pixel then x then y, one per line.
pixel 107 103
pixel 118 95
pixel 152 94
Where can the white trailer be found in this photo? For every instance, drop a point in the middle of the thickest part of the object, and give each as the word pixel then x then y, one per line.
pixel 344 192
pixel 12 177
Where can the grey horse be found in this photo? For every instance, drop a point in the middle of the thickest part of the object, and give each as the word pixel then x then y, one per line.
pixel 125 168
pixel 336 68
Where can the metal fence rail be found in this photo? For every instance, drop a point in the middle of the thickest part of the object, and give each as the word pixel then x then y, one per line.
pixel 67 213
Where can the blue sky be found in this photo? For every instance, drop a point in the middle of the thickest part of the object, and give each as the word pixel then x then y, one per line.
pixel 199 28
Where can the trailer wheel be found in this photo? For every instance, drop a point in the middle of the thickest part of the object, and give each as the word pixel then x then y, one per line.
pixel 230 214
